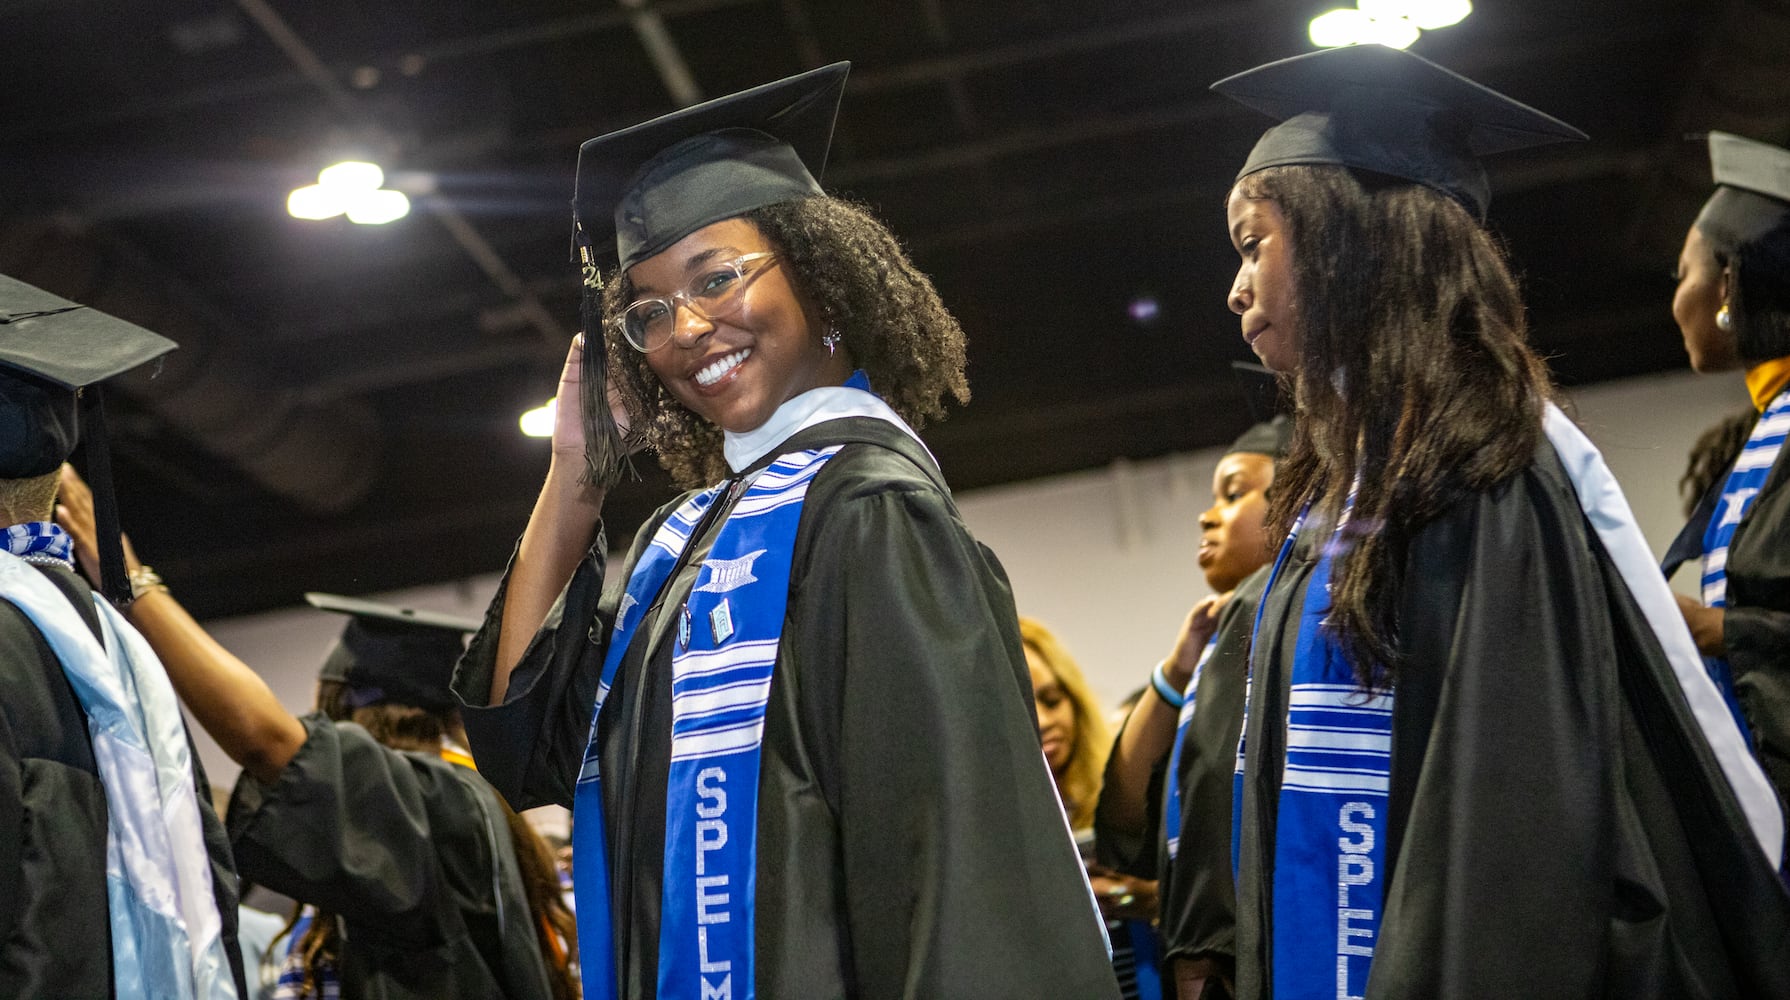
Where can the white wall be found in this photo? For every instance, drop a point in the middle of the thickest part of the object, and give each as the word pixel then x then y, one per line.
pixel 1104 557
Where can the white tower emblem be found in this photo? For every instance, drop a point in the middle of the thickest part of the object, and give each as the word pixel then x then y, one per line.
pixel 729 574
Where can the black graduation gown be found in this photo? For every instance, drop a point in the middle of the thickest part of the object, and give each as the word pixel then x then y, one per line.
pixel 55 934
pixel 910 843
pixel 1198 898
pixel 411 852
pixel 1756 624
pixel 1557 825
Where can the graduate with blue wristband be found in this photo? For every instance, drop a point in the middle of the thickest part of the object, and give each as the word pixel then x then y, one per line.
pixel 1165 808
pixel 1481 756
pixel 1733 307
pixel 795 726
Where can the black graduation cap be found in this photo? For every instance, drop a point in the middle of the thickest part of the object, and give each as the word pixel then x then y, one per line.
pixel 1752 196
pixel 392 654
pixel 644 188
pixel 1270 437
pixel 651 185
pixel 53 355
pixel 1391 112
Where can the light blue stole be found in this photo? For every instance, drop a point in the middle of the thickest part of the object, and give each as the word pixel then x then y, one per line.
pixel 167 935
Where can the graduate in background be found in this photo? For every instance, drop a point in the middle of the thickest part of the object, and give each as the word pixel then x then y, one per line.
pixel 367 810
pixel 1733 307
pixel 1481 757
pixel 795 724
pixel 115 875
pixel 1165 809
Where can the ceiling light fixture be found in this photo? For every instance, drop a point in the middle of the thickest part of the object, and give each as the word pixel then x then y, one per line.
pixel 538 422
pixel 1392 23
pixel 351 188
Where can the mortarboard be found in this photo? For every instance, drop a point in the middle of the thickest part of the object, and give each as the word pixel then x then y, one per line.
pixel 1270 437
pixel 1752 195
pixel 393 654
pixel 1391 112
pixel 648 186
pixel 53 355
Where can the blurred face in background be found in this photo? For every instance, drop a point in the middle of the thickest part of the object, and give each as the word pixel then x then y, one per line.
pixel 1233 535
pixel 1702 283
pixel 1056 715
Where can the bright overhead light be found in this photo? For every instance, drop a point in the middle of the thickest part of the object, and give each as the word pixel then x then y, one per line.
pixel 376 208
pixel 1394 33
pixel 1337 28
pixel 1392 23
pixel 350 187
pixel 352 175
pixel 538 422
pixel 315 202
pixel 1426 14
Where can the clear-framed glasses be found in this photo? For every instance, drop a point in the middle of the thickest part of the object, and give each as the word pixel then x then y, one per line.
pixel 714 293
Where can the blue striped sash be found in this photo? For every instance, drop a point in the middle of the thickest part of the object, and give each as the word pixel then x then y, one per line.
pixel 1745 481
pixel 1329 847
pixel 1171 810
pixel 722 666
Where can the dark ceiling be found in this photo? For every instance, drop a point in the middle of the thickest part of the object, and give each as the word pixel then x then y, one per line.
pixel 342 414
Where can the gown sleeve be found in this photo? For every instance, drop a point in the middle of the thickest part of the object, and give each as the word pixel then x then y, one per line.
pixel 1506 709
pixel 531 747
pixel 367 832
pixel 960 878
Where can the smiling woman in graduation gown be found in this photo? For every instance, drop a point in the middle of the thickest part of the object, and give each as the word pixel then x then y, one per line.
pixel 1481 757
pixel 865 812
pixel 1733 307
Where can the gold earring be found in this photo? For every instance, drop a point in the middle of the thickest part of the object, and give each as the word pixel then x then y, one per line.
pixel 1724 318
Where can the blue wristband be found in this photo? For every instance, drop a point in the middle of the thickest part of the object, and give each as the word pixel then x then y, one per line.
pixel 1165 690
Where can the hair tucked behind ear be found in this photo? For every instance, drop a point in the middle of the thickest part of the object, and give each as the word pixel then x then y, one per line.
pixel 1413 371
pixel 855 273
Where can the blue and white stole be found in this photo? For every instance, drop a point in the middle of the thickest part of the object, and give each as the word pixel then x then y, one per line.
pixel 722 663
pixel 1330 831
pixel 1171 809
pixel 1738 494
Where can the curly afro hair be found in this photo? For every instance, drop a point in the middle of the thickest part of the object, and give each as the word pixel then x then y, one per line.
pixel 855 273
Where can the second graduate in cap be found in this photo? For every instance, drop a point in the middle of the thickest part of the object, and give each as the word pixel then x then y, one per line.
pixel 793 725
pixel 1733 307
pixel 1481 756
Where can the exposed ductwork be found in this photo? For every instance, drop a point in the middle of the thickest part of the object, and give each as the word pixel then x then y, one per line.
pixel 323 459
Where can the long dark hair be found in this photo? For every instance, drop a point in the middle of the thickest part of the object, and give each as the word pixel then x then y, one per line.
pixel 855 273
pixel 1412 370
pixel 418 730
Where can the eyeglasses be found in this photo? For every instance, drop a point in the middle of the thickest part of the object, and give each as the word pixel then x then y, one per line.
pixel 713 294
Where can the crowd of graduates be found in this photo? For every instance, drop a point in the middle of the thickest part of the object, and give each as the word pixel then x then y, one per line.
pixel 1443 730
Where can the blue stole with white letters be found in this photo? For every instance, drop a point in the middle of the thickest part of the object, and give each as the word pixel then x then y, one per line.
pixel 728 633
pixel 1745 481
pixel 1330 830
pixel 1171 810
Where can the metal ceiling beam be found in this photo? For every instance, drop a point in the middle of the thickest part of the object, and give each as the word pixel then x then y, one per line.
pixel 661 48
pixel 321 459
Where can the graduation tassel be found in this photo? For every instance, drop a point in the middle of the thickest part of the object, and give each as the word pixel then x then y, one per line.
pixel 96 456
pixel 606 452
